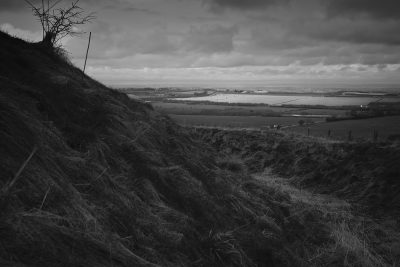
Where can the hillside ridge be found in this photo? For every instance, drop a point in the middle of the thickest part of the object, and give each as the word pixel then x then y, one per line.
pixel 366 173
pixel 90 177
pixel 93 178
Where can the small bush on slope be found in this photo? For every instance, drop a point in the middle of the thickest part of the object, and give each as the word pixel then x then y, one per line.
pixel 109 182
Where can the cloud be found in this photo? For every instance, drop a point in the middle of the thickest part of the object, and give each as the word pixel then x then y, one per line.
pixel 382 9
pixel 235 75
pixel 309 37
pixel 141 10
pixel 210 39
pixel 242 4
pixel 156 42
pixel 17 5
pixel 130 8
pixel 352 31
pixel 114 42
pixel 219 5
pixel 260 38
pixel 268 36
pixel 7 5
pixel 23 34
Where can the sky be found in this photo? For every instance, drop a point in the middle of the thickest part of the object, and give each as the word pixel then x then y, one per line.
pixel 230 42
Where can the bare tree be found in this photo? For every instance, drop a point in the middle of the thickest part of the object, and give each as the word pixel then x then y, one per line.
pixel 59 22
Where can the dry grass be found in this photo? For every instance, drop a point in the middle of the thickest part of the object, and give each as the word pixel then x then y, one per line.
pixel 225 250
pixel 355 244
pixel 7 187
pixel 362 172
pixel 350 235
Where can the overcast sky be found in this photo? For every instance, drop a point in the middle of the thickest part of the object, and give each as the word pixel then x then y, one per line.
pixel 231 41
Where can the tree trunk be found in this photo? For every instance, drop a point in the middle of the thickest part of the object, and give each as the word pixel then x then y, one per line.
pixel 48 39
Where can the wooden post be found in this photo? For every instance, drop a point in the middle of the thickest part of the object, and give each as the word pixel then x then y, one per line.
pixel 329 133
pixel 42 20
pixel 47 15
pixel 308 131
pixel 87 51
pixel 350 137
pixel 375 135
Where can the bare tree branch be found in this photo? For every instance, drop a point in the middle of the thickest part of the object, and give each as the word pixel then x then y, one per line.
pixel 59 22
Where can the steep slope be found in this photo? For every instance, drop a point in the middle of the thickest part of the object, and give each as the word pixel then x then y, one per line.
pixel 92 178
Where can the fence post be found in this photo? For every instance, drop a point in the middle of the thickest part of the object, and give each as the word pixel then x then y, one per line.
pixel 375 135
pixel 329 133
pixel 308 131
pixel 87 51
pixel 349 136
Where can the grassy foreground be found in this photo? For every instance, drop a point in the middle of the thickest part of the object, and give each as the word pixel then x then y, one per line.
pixel 348 193
pixel 362 240
pixel 364 172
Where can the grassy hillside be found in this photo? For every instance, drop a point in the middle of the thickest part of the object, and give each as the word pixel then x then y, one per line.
pixel 350 190
pixel 90 177
pixel 366 173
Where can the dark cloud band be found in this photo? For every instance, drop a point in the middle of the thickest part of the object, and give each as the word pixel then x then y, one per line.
pixel 382 9
pixel 14 5
pixel 218 5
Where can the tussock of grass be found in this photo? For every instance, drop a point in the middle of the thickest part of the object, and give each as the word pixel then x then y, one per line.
pixel 232 163
pixel 225 250
pixel 347 239
pixel 356 248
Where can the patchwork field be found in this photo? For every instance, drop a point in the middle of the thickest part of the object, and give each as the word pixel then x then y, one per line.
pixel 239 110
pixel 307 121
pixel 295 99
pixel 237 121
pixel 387 127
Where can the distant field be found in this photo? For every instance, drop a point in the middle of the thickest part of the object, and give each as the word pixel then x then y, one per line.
pixel 199 109
pixel 385 126
pixel 263 116
pixel 236 121
pixel 193 107
pixel 293 99
pixel 360 129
